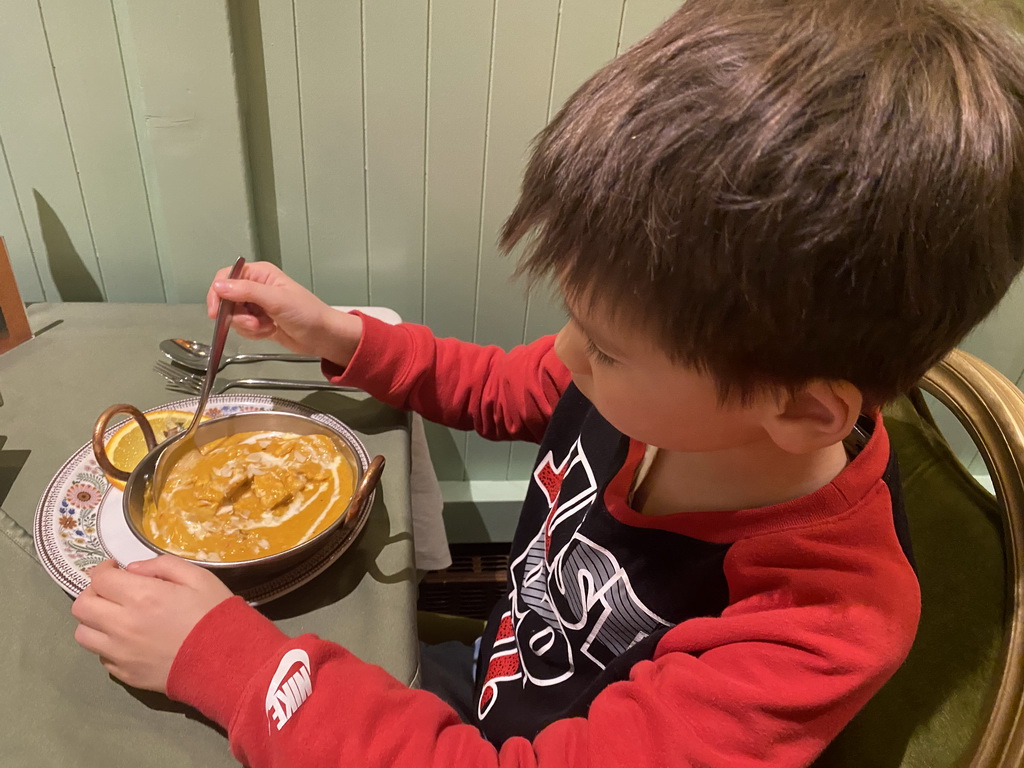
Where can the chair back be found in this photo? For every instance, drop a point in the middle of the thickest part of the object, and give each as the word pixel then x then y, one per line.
pixel 958 700
pixel 14 328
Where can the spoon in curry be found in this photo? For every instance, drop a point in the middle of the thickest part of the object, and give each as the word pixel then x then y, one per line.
pixel 195 355
pixel 185 443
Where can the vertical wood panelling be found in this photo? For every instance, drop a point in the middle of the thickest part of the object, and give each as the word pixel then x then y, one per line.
pixel 520 86
pixel 41 163
pixel 396 108
pixel 460 59
pixel 373 149
pixel 268 72
pixel 998 342
pixel 95 101
pixel 641 16
pixel 588 33
pixel 12 229
pixel 187 117
pixel 587 36
pixel 330 50
pixel 459 71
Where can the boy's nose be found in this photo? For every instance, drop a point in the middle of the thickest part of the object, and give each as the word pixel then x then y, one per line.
pixel 570 347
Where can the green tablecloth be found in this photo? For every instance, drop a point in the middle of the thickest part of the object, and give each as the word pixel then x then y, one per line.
pixel 59 707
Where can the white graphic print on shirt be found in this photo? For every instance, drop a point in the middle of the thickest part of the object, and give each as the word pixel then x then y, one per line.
pixel 569 595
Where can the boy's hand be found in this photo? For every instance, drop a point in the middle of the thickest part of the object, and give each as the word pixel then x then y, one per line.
pixel 135 620
pixel 270 305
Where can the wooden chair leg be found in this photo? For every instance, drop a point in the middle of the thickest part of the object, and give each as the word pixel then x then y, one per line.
pixel 14 328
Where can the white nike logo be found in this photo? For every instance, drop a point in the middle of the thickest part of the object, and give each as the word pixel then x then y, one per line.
pixel 289 687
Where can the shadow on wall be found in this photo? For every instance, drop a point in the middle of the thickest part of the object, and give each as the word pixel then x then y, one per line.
pixel 73 281
pixel 251 78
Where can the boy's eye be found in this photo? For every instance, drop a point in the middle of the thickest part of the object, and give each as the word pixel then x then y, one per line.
pixel 598 355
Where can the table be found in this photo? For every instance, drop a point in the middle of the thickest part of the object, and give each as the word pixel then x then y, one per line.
pixel 59 707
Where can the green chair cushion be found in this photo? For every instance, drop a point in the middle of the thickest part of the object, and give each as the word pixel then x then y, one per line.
pixel 928 715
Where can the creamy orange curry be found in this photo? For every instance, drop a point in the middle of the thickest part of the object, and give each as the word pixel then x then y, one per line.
pixel 249 495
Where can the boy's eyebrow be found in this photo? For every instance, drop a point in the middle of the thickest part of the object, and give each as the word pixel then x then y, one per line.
pixel 596 338
pixel 575 319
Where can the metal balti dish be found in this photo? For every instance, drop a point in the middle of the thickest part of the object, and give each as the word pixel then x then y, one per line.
pixel 242 574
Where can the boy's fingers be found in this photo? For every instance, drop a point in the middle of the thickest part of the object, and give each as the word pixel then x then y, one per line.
pixel 247 291
pixel 253 321
pixel 251 329
pixel 256 312
pixel 259 272
pixel 111 667
pixel 166 568
pixel 116 585
pixel 94 611
pixel 212 299
pixel 91 639
pixel 106 565
pixel 99 574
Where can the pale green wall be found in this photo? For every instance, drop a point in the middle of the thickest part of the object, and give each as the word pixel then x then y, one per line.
pixel 370 148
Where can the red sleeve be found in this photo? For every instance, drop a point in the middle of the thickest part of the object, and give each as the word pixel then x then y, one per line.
pixel 501 395
pixel 819 619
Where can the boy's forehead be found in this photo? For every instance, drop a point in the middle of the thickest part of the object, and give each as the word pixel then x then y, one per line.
pixel 604 319
pixel 602 304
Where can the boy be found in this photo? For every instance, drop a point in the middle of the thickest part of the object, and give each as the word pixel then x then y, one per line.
pixel 767 219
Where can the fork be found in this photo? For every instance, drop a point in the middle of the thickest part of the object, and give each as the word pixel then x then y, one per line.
pixel 188 383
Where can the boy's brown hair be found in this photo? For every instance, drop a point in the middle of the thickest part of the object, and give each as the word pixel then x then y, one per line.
pixel 786 190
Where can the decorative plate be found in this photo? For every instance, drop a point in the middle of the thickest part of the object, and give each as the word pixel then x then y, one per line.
pixel 79 521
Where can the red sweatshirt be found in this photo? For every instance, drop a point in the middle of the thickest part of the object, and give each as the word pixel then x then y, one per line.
pixel 731 639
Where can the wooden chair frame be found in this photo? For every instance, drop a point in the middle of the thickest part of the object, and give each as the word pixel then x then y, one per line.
pixel 11 306
pixel 991 409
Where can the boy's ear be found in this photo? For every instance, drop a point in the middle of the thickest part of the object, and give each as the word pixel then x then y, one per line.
pixel 819 414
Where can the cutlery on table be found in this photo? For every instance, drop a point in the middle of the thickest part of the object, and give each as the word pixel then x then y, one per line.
pixel 192 383
pixel 196 355
pixel 180 446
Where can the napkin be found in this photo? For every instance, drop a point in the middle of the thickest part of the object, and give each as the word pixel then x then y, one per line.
pixel 428 532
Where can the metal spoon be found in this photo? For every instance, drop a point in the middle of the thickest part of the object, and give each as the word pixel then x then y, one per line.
pixel 195 355
pixel 181 445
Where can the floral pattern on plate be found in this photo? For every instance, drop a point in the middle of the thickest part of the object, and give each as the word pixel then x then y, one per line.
pixel 77 515
pixel 66 528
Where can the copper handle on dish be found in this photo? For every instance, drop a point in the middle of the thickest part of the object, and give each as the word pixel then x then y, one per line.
pixel 366 485
pixel 99 449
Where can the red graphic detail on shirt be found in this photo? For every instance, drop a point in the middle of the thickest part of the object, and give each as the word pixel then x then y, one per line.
pixel 505 629
pixel 504 665
pixel 550 479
